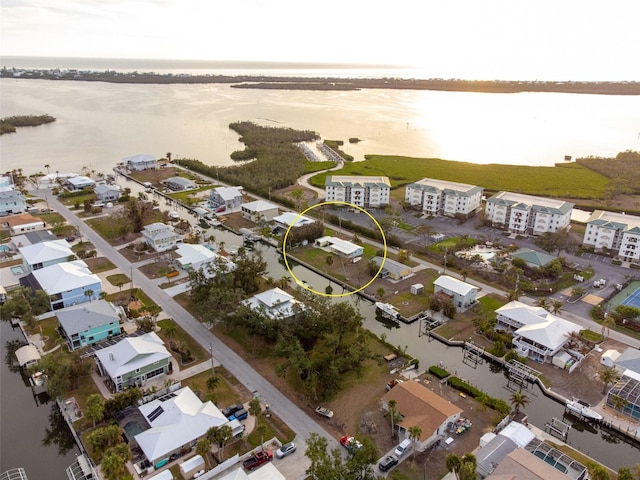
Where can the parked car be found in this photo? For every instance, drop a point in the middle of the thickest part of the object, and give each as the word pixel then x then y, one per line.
pixel 324 412
pixel 239 415
pixel 231 409
pixel 388 463
pixel 404 446
pixel 286 449
pixel 258 459
pixel 350 443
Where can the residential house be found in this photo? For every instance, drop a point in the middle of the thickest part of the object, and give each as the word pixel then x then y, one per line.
pixel 133 360
pixel 439 197
pixel 361 191
pixel 67 284
pixel 28 355
pixel 174 423
pixel 161 237
pixel 533 258
pixel 268 471
pixel 616 232
pixel 342 248
pixel 80 182
pixel 419 406
pixel 494 448
pixel 516 314
pixel 22 223
pixel 89 323
pixel 291 219
pixel 12 201
pixel 106 192
pixel 392 269
pixel 31 238
pixel 259 210
pixel 549 464
pixel 629 360
pixel 141 162
pixel 461 293
pixel 195 257
pixel 275 303
pixel 225 198
pixel 526 214
pixel 5 181
pixel 541 341
pixel 45 254
pixel 624 396
pixel 180 183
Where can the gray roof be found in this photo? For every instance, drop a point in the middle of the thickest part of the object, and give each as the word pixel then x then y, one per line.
pixel 489 456
pixel 183 182
pixel 450 188
pixel 80 318
pixel 391 265
pixel 629 359
pixel 525 202
pixel 356 181
pixel 536 259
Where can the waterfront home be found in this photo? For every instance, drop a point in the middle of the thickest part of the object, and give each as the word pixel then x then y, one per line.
pixel 179 183
pixel 541 341
pixel 516 314
pixel 5 181
pixel 527 215
pixel 12 201
pixel 617 233
pixel 133 360
pixel 462 294
pixel 107 193
pixel 274 303
pixel 550 464
pixel 628 360
pixel 45 254
pixel 291 219
pixel 392 269
pixel 533 258
pixel 80 182
pixel 22 223
pixel 28 355
pixel 89 323
pixel 624 396
pixel 423 408
pixel 31 238
pixel 362 191
pixel 225 198
pixel 160 236
pixel 494 447
pixel 140 162
pixel 67 284
pixel 267 471
pixel 174 423
pixel 259 210
pixel 195 257
pixel 439 197
pixel 342 248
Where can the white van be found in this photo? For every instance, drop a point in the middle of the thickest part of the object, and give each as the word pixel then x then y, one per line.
pixel 404 446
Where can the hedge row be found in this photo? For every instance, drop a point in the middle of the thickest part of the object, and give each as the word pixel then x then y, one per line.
pixel 438 372
pixel 495 403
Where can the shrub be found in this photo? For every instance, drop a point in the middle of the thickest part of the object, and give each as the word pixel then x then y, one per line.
pixel 438 372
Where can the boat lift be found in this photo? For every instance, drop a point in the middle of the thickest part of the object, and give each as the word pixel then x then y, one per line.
pixel 558 428
pixel 521 374
pixel 472 354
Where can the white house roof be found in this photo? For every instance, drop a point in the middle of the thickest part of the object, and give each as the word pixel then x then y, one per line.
pixel 228 193
pixel 83 317
pixel 551 334
pixel 258 206
pixel 293 219
pixel 342 246
pixel 141 158
pixel 27 354
pixel 184 182
pixel 176 421
pixel 276 303
pixel 102 188
pixel 46 251
pixel 523 313
pixel 519 433
pixel 131 353
pixel 266 472
pixel 454 285
pixel 191 254
pixel 65 276
pixel 80 180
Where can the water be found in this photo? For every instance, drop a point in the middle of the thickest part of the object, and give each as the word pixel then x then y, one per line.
pixel 98 124
pixel 26 423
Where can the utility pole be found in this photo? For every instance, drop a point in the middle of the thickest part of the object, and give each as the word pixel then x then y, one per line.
pixel 212 365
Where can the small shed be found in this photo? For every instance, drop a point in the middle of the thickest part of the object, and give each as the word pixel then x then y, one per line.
pixel 163 475
pixel 190 467
pixel 609 358
pixel 417 289
pixel 29 354
pixel 561 359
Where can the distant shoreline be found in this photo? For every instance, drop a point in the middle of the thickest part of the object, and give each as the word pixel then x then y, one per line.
pixel 330 84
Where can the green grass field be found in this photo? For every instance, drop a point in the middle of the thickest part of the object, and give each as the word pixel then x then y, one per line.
pixel 570 180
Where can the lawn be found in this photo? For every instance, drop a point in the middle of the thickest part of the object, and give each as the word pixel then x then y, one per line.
pixel 78 200
pixel 86 246
pixel 570 180
pixel 118 279
pixel 223 395
pixel 199 353
pixel 126 294
pixel 189 197
pixel 100 264
pixel 48 328
pixel 51 218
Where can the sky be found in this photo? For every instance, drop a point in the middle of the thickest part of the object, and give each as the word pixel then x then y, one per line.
pixel 473 39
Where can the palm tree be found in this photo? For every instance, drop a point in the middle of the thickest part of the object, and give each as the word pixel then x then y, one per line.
pixel 203 448
pixel 261 429
pixel 89 294
pixel 394 416
pixel 453 463
pixel 606 325
pixel 170 329
pixel 556 306
pixel 543 303
pixel 518 400
pixel 607 376
pixel 47 166
pixel 415 432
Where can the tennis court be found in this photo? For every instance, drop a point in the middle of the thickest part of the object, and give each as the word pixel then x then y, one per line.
pixel 633 300
pixel 629 296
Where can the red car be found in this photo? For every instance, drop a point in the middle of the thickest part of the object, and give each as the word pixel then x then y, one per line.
pixel 350 443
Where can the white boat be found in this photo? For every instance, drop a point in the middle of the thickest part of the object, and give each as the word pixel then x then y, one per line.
pixel 582 409
pixel 388 310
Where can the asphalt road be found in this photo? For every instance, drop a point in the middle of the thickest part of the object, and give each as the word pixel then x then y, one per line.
pixel 298 420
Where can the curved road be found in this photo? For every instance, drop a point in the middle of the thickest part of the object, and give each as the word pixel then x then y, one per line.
pixel 298 420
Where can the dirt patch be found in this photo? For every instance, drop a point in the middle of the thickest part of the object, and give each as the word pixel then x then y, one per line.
pixel 155 176
pixel 237 221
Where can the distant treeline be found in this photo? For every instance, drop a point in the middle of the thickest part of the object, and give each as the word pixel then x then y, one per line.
pixel 623 170
pixel 9 124
pixel 327 83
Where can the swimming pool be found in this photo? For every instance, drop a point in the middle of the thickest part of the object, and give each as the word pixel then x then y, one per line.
pixel 487 254
pixel 17 270
pixel 4 248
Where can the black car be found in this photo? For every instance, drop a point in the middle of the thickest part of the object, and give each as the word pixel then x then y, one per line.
pixel 387 463
pixel 231 409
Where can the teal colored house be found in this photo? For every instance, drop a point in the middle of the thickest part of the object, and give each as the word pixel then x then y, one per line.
pixel 89 323
pixel 133 360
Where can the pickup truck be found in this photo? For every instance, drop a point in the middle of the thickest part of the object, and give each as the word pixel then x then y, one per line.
pixel 258 459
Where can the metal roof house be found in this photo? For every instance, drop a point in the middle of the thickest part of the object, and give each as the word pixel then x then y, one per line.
pixel 340 247
pixel 140 162
pixel 80 182
pixel 392 269
pixel 275 303
pixel 89 323
pixel 292 219
pixel 259 210
pixel 107 193
pixel 541 341
pixel 45 254
pixel 462 293
pixel 227 197
pixel 161 237
pixel 179 183
pixel 12 201
pixel 133 360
